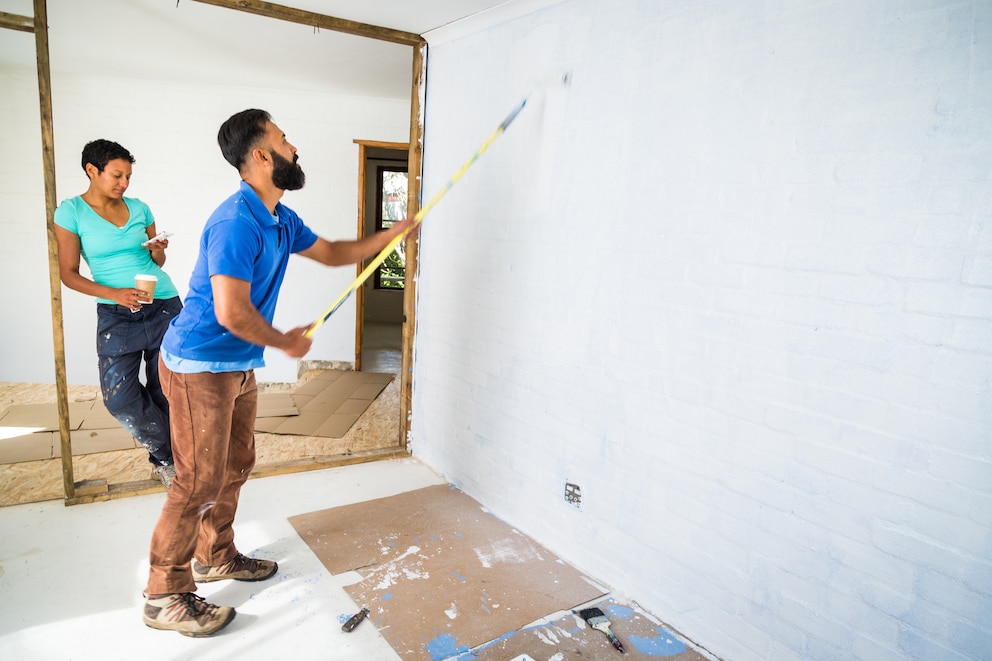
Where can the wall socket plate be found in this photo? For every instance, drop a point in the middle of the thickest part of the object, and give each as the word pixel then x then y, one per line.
pixel 573 495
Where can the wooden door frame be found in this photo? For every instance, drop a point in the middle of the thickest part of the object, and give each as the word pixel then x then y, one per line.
pixel 363 147
pixel 38 24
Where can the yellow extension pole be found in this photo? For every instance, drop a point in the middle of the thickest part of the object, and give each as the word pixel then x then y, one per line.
pixel 381 257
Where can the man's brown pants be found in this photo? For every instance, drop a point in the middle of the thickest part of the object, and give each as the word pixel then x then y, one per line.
pixel 212 416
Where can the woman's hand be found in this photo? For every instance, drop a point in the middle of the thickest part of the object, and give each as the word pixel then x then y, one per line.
pixel 157 244
pixel 132 299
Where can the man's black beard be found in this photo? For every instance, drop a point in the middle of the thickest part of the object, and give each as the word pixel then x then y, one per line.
pixel 287 175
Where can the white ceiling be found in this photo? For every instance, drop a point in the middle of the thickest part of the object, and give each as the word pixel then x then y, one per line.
pixel 183 40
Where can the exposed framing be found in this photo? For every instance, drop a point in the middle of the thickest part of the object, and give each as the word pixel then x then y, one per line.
pixel 97 490
pixel 38 24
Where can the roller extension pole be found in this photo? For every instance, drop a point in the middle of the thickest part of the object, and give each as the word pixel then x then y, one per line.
pixel 381 257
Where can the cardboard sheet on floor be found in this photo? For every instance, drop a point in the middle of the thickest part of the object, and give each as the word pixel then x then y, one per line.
pixel 569 637
pixel 27 447
pixel 440 574
pixel 275 404
pixel 91 429
pixel 328 405
pixel 44 417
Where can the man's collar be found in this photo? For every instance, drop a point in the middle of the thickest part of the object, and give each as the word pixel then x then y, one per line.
pixel 258 208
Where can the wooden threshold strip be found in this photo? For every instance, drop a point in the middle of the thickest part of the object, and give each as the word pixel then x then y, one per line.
pixel 92 491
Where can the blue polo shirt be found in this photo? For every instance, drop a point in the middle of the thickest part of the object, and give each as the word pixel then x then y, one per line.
pixel 241 240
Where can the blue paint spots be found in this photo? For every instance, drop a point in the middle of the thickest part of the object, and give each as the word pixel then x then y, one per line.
pixel 459 535
pixel 459 576
pixel 619 611
pixel 664 644
pixel 387 596
pixel 343 618
pixel 444 646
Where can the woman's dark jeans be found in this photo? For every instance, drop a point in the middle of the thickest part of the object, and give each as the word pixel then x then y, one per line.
pixel 123 340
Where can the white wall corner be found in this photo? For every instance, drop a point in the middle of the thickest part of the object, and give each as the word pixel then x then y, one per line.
pixel 484 20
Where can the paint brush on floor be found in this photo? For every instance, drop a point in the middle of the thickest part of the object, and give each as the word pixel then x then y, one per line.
pixel 355 620
pixel 597 619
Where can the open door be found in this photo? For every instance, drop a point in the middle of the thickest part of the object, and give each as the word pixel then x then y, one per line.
pixel 383 189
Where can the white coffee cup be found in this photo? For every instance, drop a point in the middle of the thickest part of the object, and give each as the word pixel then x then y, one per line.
pixel 146 283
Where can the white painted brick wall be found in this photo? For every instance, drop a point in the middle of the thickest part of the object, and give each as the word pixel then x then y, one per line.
pixel 736 283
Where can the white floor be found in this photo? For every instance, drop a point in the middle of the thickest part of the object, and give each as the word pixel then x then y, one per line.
pixel 71 577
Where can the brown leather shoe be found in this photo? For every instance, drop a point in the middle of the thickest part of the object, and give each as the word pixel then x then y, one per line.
pixel 186 613
pixel 238 568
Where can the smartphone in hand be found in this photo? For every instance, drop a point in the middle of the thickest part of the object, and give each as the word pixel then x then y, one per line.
pixel 160 235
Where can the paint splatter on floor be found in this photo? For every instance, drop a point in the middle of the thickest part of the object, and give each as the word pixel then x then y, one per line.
pixel 444 647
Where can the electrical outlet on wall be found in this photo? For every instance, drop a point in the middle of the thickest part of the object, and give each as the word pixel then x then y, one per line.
pixel 573 495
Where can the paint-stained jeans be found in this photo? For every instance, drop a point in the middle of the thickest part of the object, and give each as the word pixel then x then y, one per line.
pixel 213 443
pixel 123 340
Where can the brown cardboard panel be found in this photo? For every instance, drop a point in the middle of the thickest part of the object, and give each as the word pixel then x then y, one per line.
pixel 336 425
pixel 440 574
pixel 301 400
pixel 318 383
pixel 91 441
pixel 354 407
pixel 271 404
pixel 368 391
pixel 44 417
pixel 26 447
pixel 98 418
pixel 570 637
pixel 331 397
pixel 268 425
pixel 303 424
pixel 329 405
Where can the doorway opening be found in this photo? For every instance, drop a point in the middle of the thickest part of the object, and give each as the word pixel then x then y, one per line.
pixel 383 195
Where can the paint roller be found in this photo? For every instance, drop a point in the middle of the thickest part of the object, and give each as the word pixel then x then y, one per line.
pixel 546 79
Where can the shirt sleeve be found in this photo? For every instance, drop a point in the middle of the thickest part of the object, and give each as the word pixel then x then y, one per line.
pixel 65 216
pixel 231 249
pixel 142 210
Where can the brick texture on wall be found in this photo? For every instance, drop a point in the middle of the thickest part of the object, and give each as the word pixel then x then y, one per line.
pixel 735 282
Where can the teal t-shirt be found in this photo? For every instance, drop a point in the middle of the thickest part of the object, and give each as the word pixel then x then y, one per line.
pixel 114 254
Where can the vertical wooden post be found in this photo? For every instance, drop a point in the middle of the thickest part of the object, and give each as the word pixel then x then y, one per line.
pixel 360 292
pixel 48 161
pixel 415 170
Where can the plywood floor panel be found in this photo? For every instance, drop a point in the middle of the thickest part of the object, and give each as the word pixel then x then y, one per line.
pixel 440 574
pixel 39 480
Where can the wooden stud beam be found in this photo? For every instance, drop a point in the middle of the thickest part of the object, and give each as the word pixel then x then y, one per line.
pixel 16 22
pixel 414 169
pixel 272 10
pixel 51 201
pixel 38 24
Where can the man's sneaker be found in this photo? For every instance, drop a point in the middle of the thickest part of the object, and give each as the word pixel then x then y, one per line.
pixel 164 474
pixel 238 568
pixel 186 613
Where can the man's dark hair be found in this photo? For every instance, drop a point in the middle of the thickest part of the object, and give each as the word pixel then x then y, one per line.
pixel 240 134
pixel 101 152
